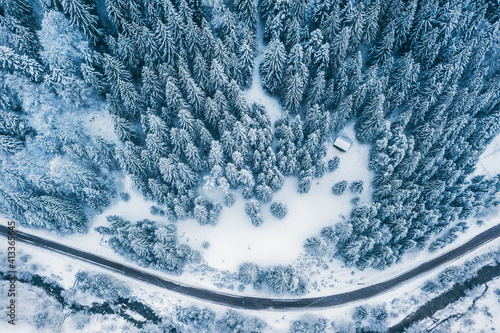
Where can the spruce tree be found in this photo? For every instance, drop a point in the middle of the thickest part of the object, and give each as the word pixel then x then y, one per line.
pixel 384 48
pixel 293 91
pixel 371 119
pixel 272 68
pixel 82 14
pixel 247 12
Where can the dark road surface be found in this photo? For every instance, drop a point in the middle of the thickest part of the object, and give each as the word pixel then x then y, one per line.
pixel 256 303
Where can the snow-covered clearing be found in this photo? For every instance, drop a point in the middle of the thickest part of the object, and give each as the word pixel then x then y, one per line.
pixel 235 240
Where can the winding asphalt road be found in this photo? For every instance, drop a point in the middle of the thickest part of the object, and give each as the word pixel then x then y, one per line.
pixel 257 303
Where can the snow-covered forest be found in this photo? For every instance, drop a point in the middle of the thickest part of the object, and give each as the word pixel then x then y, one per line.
pixel 174 95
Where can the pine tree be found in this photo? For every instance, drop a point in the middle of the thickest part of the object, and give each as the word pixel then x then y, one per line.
pixel 371 119
pixel 278 209
pixel 403 79
pixel 263 193
pixel 195 96
pixel 408 165
pixel 339 46
pixel 152 89
pixel 193 157
pixel 228 199
pixel 83 15
pixel 94 78
pixel 156 147
pixel 282 279
pixel 358 19
pixel 305 182
pixel 21 10
pixel 342 113
pixel 174 24
pixel 115 12
pixel 10 61
pixel 166 46
pixel 124 129
pixel 120 80
pixel 248 273
pixel 212 112
pixel 316 91
pixel 57 214
pixel 174 101
pixel 124 48
pixel 191 37
pixel 339 188
pixel 237 100
pixel 218 80
pixel 130 159
pixel 216 155
pixel 315 246
pixel 186 121
pixel 428 47
pixel 10 144
pixel 247 12
pixel 200 71
pixel 266 8
pixel 383 51
pixel 245 64
pixel 252 208
pixel 232 175
pixel 201 213
pixel 356 187
pixel 404 23
pixel 20 38
pixel 333 164
pixel 292 33
pixel 158 127
pixel 272 68
pixel 293 91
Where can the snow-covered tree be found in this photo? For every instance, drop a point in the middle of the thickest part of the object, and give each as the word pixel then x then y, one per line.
pixel 273 66
pixel 339 187
pixel 279 209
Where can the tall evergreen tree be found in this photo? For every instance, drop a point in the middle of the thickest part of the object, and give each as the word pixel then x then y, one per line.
pixel 371 119
pixel 247 12
pixel 83 15
pixel 272 68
